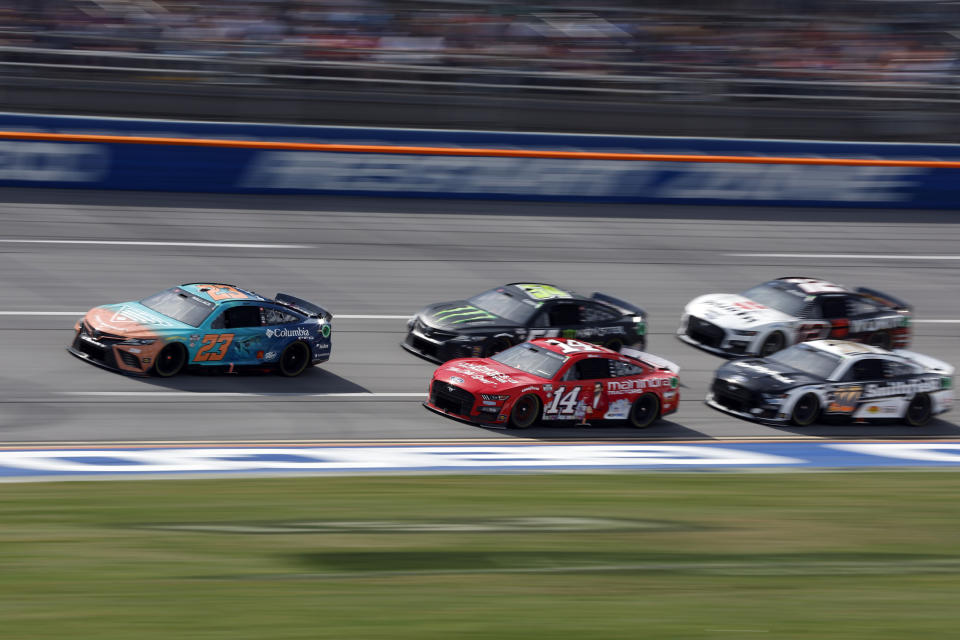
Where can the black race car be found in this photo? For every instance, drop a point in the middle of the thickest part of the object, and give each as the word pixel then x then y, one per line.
pixel 500 318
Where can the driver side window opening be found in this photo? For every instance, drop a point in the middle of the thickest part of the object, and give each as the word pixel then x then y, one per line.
pixel 238 317
pixel 834 307
pixel 866 370
pixel 564 314
pixel 589 369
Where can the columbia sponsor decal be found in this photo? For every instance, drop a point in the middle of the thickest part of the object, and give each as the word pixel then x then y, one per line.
pixel 298 332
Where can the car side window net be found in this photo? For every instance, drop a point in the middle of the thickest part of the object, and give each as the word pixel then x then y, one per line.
pixel 238 317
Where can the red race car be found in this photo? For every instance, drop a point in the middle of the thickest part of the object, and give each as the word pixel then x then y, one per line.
pixel 556 379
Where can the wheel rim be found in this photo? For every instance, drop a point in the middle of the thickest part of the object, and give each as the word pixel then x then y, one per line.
pixel 524 412
pixel 294 360
pixel 771 345
pixel 614 345
pixel 918 410
pixel 644 410
pixel 170 361
pixel 804 411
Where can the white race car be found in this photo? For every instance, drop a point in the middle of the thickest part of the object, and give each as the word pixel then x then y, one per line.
pixel 838 378
pixel 779 313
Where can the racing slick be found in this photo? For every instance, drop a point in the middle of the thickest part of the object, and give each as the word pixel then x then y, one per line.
pixel 776 314
pixel 834 378
pixel 556 379
pixel 204 325
pixel 502 317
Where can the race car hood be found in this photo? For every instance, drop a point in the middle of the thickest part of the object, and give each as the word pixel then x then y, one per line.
pixel 460 315
pixel 482 375
pixel 733 311
pixel 758 374
pixel 131 319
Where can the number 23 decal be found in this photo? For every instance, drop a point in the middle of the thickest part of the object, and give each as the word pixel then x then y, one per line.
pixel 213 346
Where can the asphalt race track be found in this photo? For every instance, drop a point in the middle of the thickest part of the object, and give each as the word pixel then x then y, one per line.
pixel 388 258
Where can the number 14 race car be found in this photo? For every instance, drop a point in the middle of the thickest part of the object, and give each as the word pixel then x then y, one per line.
pixel 778 313
pixel 833 378
pixel 204 325
pixel 556 379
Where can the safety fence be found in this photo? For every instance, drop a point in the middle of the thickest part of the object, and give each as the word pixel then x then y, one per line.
pixel 155 155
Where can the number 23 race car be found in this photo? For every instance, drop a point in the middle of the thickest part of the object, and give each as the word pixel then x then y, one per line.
pixel 834 378
pixel 204 325
pixel 556 379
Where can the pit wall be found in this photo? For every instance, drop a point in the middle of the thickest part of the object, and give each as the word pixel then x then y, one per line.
pixel 61 163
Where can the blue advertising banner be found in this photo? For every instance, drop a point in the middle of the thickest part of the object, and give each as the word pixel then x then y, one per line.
pixel 34 463
pixel 152 167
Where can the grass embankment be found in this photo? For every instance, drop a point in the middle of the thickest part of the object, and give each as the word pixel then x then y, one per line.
pixel 842 555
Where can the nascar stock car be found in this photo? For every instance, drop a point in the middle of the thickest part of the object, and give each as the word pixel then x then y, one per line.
pixel 834 378
pixel 778 313
pixel 499 318
pixel 204 325
pixel 556 379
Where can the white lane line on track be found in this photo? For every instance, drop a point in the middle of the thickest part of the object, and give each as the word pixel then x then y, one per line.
pixel 339 316
pixel 843 256
pixel 347 316
pixel 145 243
pixel 236 394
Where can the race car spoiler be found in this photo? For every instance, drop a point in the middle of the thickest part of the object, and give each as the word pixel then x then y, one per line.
pixel 879 296
pixel 931 364
pixel 650 359
pixel 626 307
pixel 303 306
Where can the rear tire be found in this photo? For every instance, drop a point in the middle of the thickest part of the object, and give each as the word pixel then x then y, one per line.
pixel 806 410
pixel 525 412
pixel 645 411
pixel 614 344
pixel 171 360
pixel 919 411
pixel 879 339
pixel 294 359
pixel 773 343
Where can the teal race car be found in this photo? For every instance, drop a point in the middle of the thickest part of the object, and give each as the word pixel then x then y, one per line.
pixel 203 325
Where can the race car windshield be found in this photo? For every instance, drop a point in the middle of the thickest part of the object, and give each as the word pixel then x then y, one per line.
pixel 775 298
pixel 804 358
pixel 503 305
pixel 179 305
pixel 531 359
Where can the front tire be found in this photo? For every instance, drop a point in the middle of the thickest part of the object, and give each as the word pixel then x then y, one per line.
pixel 614 344
pixel 773 343
pixel 294 359
pixel 645 410
pixel 171 360
pixel 525 412
pixel 495 345
pixel 806 410
pixel 919 411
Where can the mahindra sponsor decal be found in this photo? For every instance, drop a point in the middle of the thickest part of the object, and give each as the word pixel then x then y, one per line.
pixel 620 387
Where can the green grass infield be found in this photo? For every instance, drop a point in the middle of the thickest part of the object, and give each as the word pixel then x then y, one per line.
pixel 637 555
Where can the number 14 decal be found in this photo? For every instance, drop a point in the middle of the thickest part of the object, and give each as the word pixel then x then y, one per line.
pixel 213 346
pixel 564 401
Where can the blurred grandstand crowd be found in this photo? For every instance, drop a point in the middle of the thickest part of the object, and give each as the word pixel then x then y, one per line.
pixel 873 41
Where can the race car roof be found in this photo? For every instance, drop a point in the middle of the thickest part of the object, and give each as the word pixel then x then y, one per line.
pixel 570 347
pixel 219 292
pixel 846 348
pixel 809 286
pixel 540 292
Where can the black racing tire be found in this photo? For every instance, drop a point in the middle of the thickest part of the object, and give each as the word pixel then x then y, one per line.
pixel 919 411
pixel 806 410
pixel 294 359
pixel 495 345
pixel 614 344
pixel 879 339
pixel 644 411
pixel 771 344
pixel 525 411
pixel 171 360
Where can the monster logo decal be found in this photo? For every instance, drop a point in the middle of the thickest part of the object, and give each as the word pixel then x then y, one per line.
pixel 463 315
